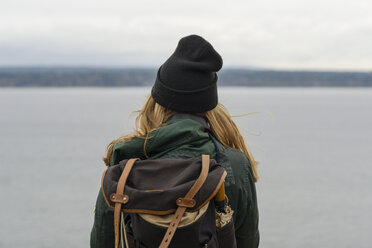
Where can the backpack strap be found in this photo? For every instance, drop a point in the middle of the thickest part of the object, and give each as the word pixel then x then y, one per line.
pixel 119 198
pixel 215 145
pixel 186 202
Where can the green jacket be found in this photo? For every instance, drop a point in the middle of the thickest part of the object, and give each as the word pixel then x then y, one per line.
pixel 185 138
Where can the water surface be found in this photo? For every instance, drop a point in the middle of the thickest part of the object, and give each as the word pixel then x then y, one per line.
pixel 314 152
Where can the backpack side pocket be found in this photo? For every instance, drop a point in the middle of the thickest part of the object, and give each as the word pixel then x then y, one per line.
pixel 226 236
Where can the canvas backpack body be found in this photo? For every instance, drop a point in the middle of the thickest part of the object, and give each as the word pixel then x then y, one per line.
pixel 168 202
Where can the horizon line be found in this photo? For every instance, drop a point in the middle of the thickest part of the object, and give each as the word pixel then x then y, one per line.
pixel 119 67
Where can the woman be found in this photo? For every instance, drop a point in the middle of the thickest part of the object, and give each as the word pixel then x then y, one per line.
pixel 182 119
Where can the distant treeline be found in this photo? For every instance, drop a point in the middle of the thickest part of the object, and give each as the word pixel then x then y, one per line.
pixel 106 77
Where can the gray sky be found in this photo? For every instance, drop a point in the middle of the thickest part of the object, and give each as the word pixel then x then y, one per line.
pixel 279 34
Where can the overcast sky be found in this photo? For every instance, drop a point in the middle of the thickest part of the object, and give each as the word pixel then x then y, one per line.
pixel 288 34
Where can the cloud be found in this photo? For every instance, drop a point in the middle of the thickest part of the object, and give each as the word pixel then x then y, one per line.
pixel 277 34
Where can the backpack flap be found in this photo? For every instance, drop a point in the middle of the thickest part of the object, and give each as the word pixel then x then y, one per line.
pixel 154 186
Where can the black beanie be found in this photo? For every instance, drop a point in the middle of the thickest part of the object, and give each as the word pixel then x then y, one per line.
pixel 187 81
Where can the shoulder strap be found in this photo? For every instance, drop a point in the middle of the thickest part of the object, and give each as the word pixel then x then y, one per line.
pixel 119 198
pixel 215 145
pixel 186 202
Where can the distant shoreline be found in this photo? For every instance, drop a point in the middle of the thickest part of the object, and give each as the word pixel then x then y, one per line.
pixel 139 77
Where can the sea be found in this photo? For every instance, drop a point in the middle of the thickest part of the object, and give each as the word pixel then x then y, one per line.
pixel 314 147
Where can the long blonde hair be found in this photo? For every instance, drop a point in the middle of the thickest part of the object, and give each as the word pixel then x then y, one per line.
pixel 152 116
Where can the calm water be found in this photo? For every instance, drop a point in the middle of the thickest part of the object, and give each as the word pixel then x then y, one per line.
pixel 315 152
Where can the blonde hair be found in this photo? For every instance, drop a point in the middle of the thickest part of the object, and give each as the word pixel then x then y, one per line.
pixel 152 116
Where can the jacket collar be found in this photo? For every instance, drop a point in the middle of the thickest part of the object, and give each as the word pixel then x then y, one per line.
pixel 181 132
pixel 200 119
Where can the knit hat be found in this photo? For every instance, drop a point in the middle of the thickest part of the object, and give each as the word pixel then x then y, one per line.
pixel 187 81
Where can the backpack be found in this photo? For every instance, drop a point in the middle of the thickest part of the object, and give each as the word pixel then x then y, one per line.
pixel 169 202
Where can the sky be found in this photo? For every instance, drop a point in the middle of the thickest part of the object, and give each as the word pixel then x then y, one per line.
pixel 271 34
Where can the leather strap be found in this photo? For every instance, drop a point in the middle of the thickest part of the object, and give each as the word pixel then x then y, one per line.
pixel 120 191
pixel 182 208
pixel 202 177
pixel 184 202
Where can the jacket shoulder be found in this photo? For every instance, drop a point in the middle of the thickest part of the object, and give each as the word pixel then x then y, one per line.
pixel 237 166
pixel 241 190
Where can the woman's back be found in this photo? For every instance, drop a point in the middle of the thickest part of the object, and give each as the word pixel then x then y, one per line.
pixel 163 132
